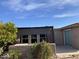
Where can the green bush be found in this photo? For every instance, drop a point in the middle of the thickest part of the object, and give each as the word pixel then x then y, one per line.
pixel 8 34
pixel 1 43
pixel 1 51
pixel 14 54
pixel 42 51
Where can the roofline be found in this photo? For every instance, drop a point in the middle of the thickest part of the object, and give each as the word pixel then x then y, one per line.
pixel 70 26
pixel 35 27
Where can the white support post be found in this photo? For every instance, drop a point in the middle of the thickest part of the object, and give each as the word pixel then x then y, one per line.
pixel 18 40
pixel 38 38
pixel 29 39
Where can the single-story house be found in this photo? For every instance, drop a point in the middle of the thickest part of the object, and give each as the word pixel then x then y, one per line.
pixel 68 35
pixel 35 34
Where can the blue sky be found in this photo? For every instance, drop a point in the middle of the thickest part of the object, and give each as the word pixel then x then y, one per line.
pixel 31 13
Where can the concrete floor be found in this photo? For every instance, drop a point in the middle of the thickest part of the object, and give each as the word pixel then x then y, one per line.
pixel 66 51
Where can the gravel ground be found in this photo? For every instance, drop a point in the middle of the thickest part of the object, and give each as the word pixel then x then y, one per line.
pixel 72 57
pixel 65 52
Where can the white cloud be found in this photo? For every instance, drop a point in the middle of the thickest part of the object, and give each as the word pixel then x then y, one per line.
pixel 66 15
pixel 60 4
pixel 20 17
pixel 18 5
pixel 12 4
pixel 71 2
pixel 33 6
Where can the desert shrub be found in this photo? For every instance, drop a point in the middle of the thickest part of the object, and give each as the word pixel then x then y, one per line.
pixel 1 43
pixel 42 51
pixel 1 51
pixel 14 54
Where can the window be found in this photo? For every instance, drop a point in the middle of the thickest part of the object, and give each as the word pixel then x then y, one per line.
pixel 25 38
pixel 43 37
pixel 33 38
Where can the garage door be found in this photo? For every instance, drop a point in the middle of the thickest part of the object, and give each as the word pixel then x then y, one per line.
pixel 67 37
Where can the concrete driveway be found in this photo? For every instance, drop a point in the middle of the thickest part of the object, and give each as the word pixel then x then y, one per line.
pixel 66 51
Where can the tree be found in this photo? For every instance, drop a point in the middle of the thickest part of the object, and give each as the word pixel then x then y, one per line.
pixel 8 33
pixel 11 32
pixel 1 34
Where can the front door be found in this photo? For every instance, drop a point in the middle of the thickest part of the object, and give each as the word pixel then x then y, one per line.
pixel 67 37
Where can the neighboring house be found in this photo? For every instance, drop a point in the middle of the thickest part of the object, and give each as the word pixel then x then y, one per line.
pixel 35 34
pixel 68 35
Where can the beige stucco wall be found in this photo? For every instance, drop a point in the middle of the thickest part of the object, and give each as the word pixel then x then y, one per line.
pixel 38 31
pixel 58 37
pixel 25 50
pixel 75 38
